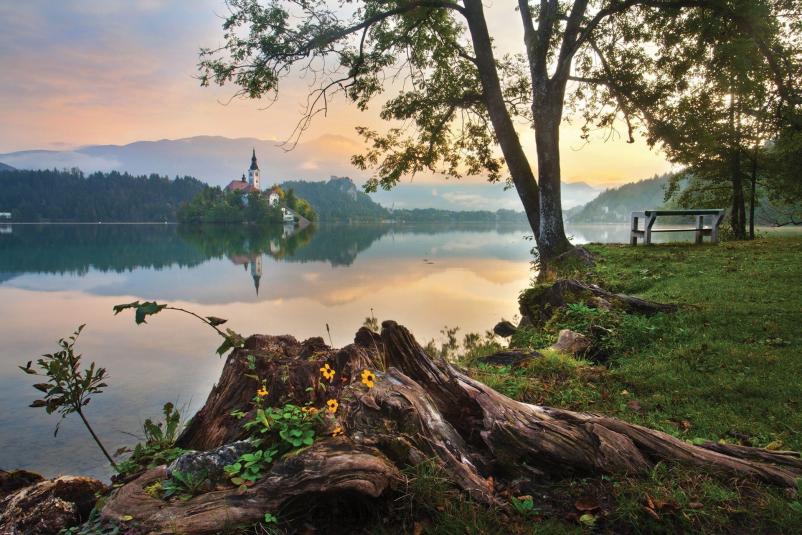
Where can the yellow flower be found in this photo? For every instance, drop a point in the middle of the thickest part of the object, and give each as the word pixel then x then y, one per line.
pixel 310 411
pixel 368 377
pixel 337 431
pixel 327 372
pixel 262 392
pixel 332 405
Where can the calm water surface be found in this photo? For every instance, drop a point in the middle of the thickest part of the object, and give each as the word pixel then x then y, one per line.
pixel 55 277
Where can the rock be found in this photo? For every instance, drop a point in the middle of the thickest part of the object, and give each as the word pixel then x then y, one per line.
pixel 509 358
pixel 600 303
pixel 504 329
pixel 542 301
pixel 15 480
pixel 48 506
pixel 572 342
pixel 211 462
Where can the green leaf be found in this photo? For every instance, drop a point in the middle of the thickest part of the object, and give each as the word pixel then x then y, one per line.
pixel 147 308
pixel 214 322
pixel 120 308
pixel 38 403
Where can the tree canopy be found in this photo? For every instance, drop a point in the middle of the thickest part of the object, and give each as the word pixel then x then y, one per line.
pixel 456 102
pixel 70 195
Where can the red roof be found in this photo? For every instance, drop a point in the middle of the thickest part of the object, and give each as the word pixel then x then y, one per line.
pixel 239 185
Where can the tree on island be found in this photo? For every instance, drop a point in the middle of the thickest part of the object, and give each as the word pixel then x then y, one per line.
pixel 459 100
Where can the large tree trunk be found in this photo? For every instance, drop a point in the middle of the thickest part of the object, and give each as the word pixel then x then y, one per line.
pixel 551 241
pixel 738 212
pixel 514 155
pixel 419 410
pixel 753 196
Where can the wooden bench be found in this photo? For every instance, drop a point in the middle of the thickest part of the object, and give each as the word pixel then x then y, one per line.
pixel 650 216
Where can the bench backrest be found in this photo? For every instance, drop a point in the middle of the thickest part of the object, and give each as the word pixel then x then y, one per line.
pixel 700 211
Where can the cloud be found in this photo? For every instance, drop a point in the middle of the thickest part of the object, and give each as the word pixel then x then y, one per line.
pixel 117 71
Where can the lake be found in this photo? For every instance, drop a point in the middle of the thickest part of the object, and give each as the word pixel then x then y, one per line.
pixel 275 281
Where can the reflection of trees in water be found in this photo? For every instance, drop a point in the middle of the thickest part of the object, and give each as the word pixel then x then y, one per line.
pixel 238 242
pixel 339 244
pixel 77 248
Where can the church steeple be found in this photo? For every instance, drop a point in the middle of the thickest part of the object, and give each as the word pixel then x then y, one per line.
pixel 256 271
pixel 254 165
pixel 253 172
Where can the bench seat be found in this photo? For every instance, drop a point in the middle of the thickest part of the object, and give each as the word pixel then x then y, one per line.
pixel 687 229
pixel 650 216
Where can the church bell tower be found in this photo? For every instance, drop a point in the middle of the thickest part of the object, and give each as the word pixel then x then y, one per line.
pixel 253 173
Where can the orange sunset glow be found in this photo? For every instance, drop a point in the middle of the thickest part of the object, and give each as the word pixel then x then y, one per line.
pixel 113 72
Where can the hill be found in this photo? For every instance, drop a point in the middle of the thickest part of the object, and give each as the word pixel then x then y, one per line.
pixel 4 167
pixel 460 195
pixel 614 205
pixel 71 196
pixel 338 199
pixel 213 159
pixel 433 215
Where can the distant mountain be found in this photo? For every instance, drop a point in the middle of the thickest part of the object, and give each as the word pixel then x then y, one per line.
pixel 456 195
pixel 217 160
pixel 213 159
pixel 615 205
pixel 338 199
pixel 4 167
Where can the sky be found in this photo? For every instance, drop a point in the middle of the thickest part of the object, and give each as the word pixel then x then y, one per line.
pixel 86 72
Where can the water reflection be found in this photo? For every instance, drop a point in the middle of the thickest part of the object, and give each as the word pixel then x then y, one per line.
pixel 54 277
pixel 277 280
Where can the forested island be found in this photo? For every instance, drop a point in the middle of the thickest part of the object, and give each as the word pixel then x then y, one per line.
pixel 214 205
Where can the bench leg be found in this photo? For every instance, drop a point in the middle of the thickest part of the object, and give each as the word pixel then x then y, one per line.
pixel 633 238
pixel 700 223
pixel 649 224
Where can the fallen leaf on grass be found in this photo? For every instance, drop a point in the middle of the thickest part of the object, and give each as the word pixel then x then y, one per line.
pixel 634 405
pixel 587 504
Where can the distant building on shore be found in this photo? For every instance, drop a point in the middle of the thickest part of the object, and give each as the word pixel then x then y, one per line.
pixel 274 198
pixel 254 182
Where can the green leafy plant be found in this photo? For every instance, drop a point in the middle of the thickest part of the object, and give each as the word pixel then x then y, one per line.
pixel 275 431
pixel 524 506
pixel 796 505
pixel 144 309
pixel 289 424
pixel 95 525
pixel 158 447
pixel 249 467
pixel 184 485
pixel 68 388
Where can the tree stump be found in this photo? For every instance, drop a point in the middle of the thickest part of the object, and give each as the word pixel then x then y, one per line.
pixel 419 409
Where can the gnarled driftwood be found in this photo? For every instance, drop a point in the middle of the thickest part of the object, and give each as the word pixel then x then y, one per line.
pixel 419 409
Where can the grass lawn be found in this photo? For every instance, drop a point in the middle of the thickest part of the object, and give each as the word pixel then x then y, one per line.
pixel 726 367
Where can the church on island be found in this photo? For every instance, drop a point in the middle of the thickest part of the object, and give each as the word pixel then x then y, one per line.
pixel 253 184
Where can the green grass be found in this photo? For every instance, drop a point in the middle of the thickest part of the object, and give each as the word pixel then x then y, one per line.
pixel 726 367
pixel 729 365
